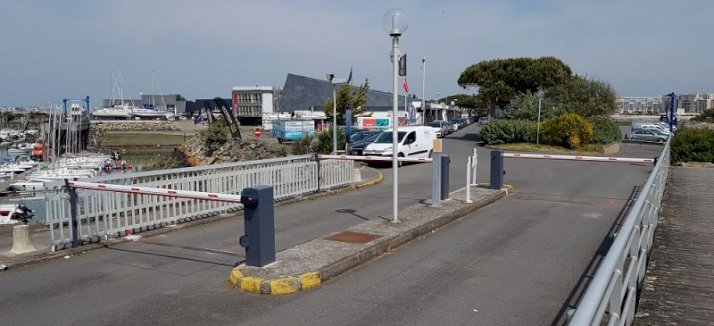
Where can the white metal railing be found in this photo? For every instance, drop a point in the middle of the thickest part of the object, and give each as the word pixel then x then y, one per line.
pixel 611 295
pixel 104 214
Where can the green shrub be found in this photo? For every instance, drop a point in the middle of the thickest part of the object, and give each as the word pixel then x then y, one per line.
pixel 215 136
pixel 569 130
pixel 508 131
pixel 693 145
pixel 706 116
pixel 302 145
pixel 605 131
pixel 324 142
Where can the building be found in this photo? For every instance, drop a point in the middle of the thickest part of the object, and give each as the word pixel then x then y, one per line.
pixel 251 103
pixel 640 105
pixel 692 103
pixel 302 93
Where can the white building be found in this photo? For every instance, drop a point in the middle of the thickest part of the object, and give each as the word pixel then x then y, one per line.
pixel 251 103
pixel 640 105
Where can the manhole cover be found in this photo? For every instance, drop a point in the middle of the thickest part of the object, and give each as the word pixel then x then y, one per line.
pixel 353 237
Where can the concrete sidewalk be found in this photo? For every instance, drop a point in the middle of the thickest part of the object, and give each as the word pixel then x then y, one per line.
pixel 40 235
pixel 308 264
pixel 679 284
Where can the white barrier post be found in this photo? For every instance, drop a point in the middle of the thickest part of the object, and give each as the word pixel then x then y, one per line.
pixel 468 179
pixel 474 165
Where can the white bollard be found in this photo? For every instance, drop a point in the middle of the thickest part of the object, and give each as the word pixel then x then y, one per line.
pixel 468 179
pixel 474 165
pixel 21 240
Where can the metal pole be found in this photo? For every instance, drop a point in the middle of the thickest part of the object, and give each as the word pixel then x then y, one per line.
pixel 395 124
pixel 672 102
pixel 74 221
pixel 538 132
pixel 423 89
pixel 334 120
pixel 468 179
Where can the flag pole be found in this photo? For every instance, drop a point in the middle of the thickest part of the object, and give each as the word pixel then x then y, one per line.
pixel 423 89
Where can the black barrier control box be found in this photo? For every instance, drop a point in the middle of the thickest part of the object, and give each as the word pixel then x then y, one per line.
pixel 259 223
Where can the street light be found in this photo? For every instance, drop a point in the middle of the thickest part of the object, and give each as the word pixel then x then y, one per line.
pixel 540 100
pixel 335 82
pixel 395 24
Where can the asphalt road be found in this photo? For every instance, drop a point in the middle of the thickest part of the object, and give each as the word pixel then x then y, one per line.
pixel 521 260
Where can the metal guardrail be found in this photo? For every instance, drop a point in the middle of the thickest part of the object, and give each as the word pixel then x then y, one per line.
pixel 612 294
pixel 107 214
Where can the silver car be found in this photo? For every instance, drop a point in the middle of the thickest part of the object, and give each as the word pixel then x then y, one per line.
pixel 648 135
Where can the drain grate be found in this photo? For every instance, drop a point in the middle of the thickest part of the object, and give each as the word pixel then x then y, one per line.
pixel 353 237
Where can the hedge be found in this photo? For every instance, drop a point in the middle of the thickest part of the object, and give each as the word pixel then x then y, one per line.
pixel 693 145
pixel 605 131
pixel 508 131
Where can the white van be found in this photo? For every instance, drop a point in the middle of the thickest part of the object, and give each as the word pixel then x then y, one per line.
pixel 413 142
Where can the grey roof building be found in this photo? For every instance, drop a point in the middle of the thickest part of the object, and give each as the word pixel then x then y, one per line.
pixel 306 93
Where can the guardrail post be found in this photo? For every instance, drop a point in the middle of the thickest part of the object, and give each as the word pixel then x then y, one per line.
pixel 317 160
pixel 74 219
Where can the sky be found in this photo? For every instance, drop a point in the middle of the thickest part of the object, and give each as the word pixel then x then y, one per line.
pixel 52 49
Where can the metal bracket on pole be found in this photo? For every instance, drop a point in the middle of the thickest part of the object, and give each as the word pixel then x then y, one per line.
pixel 436 180
pixel 74 220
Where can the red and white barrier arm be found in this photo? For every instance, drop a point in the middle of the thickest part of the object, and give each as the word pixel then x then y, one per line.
pixel 156 191
pixel 579 158
pixel 372 158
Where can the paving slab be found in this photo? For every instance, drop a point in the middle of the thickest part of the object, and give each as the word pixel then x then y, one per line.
pixel 308 264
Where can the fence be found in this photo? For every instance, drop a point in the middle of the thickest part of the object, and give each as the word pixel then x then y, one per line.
pixel 612 293
pixel 105 214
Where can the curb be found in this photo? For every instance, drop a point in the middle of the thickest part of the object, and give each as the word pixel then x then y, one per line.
pixel 189 223
pixel 291 284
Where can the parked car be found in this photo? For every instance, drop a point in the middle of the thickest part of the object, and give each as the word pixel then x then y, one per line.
pixel 357 148
pixel 411 142
pixel 362 135
pixel 441 127
pixel 456 124
pixel 648 135
pixel 483 120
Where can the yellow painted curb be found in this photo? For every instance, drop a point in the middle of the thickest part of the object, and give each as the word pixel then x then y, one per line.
pixel 250 284
pixel 369 183
pixel 309 280
pixel 236 276
pixel 508 187
pixel 283 285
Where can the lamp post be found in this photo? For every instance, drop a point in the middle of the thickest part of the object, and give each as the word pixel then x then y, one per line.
pixel 395 23
pixel 335 82
pixel 540 100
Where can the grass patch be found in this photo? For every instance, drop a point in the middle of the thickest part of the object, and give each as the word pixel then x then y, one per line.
pixel 142 139
pixel 588 149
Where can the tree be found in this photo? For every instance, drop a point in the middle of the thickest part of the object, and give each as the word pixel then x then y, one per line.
pixel 180 98
pixel 465 101
pixel 584 96
pixel 525 106
pixel 355 97
pixel 500 80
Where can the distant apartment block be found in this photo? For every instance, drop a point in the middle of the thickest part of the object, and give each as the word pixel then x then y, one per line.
pixel 640 105
pixel 687 103
pixel 692 103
